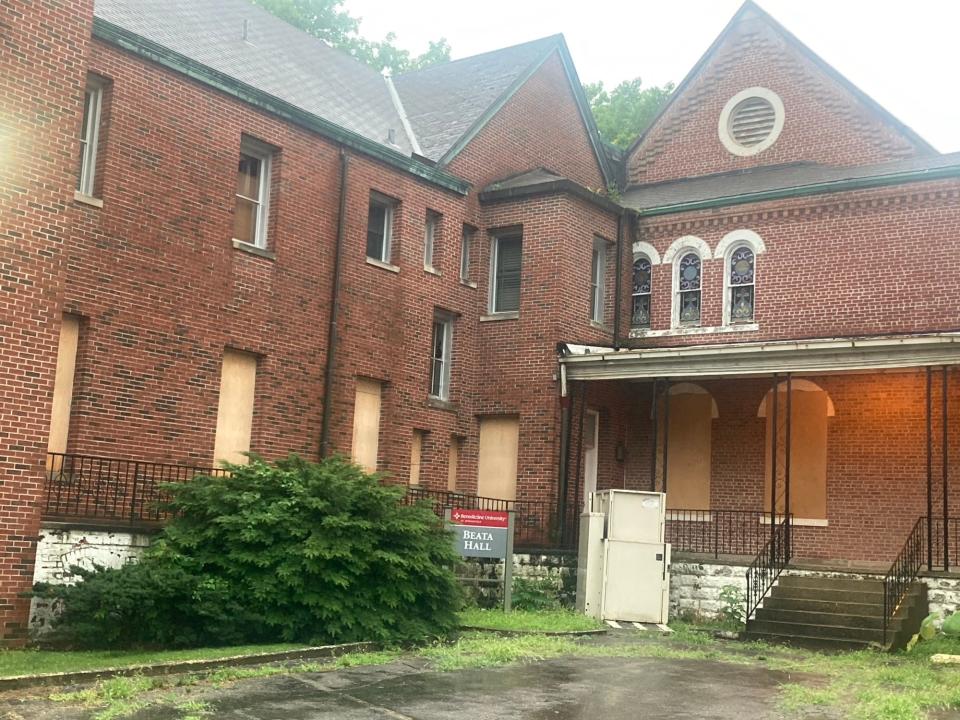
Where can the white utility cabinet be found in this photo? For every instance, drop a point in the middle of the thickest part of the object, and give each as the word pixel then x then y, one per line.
pixel 634 583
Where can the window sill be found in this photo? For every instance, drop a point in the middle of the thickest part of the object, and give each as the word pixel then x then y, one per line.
pixel 494 317
pixel 800 522
pixel 600 326
pixel 432 270
pixel 382 265
pixel 468 283
pixel 253 249
pixel 694 330
pixel 439 404
pixel 87 199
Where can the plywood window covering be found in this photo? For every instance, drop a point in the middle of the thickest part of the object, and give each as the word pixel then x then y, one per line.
pixel 366 423
pixel 416 453
pixel 497 464
pixel 453 462
pixel 507 257
pixel 238 377
pixel 690 446
pixel 63 384
pixel 89 135
pixel 253 194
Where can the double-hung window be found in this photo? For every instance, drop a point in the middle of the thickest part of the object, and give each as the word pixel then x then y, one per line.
pixel 598 268
pixel 466 245
pixel 380 228
pixel 89 133
pixel 431 229
pixel 505 275
pixel 253 194
pixel 441 355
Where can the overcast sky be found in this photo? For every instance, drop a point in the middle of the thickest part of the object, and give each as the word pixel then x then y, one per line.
pixel 903 54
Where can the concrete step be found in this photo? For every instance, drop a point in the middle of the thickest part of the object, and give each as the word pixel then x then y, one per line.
pixel 867 597
pixel 777 602
pixel 823 619
pixel 830 644
pixel 830 583
pixel 829 632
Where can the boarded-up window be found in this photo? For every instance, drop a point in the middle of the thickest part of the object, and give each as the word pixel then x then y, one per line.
pixel 416 452
pixel 497 465
pixel 808 450
pixel 235 411
pixel 688 457
pixel 453 463
pixel 63 384
pixel 366 424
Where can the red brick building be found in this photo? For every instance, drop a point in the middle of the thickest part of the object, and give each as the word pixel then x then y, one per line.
pixel 220 235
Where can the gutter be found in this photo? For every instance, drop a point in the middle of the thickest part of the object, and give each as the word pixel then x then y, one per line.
pixel 552 187
pixel 170 59
pixel 820 188
pixel 332 331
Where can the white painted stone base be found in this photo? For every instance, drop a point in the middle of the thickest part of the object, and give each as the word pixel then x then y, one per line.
pixel 59 549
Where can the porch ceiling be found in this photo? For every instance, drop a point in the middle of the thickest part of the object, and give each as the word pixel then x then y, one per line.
pixel 833 355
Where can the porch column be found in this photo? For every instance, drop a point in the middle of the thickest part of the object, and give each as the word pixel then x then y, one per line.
pixel 654 421
pixel 773 460
pixel 946 504
pixel 786 470
pixel 929 467
pixel 579 472
pixel 666 433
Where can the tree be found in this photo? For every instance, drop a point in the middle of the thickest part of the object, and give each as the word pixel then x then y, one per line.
pixel 327 20
pixel 623 113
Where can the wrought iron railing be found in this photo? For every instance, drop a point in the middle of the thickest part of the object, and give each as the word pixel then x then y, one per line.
pixel 944 544
pixel 773 557
pixel 717 532
pixel 109 490
pixel 536 525
pixel 904 572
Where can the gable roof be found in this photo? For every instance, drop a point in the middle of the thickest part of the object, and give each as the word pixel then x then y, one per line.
pixel 275 58
pixel 776 181
pixel 748 9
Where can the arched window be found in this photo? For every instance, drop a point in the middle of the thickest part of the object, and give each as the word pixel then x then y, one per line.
pixel 741 273
pixel 640 316
pixel 688 288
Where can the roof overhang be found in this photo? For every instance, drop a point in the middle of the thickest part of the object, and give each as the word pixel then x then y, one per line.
pixel 818 356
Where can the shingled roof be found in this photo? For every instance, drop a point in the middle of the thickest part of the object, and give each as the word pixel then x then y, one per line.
pixel 444 102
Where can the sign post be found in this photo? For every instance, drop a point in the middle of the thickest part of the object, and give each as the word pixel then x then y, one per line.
pixel 485 534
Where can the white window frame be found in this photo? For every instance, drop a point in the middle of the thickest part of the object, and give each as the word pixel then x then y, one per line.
pixel 730 243
pixel 466 244
pixel 430 226
pixel 641 256
pixel 676 288
pixel 88 143
pixel 598 273
pixel 254 149
pixel 445 321
pixel 389 205
pixel 494 265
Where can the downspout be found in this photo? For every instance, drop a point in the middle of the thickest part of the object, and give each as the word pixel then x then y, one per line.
pixel 618 284
pixel 333 338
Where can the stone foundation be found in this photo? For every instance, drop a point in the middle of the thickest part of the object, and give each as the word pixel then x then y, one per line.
pixel 554 574
pixel 60 548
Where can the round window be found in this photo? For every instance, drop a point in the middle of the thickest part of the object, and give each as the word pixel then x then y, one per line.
pixel 751 121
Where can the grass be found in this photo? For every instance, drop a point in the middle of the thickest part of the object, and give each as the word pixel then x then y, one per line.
pixel 528 621
pixel 31 662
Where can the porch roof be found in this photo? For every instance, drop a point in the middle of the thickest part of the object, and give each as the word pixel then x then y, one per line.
pixel 824 355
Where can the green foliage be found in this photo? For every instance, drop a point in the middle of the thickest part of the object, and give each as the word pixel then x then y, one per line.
pixel 327 20
pixel 951 626
pixel 535 594
pixel 294 552
pixel 733 605
pixel 623 113
pixel 928 627
pixel 528 621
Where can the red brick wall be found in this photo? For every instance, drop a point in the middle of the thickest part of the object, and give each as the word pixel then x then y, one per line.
pixel 824 121
pixel 834 265
pixel 41 91
pixel 876 455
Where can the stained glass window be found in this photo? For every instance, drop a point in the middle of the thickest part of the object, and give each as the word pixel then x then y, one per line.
pixel 688 282
pixel 741 280
pixel 640 317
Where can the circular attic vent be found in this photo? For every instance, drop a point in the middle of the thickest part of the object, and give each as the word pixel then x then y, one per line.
pixel 751 121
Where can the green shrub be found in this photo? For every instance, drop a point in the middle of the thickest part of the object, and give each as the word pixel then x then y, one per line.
pixel 732 605
pixel 536 594
pixel 294 552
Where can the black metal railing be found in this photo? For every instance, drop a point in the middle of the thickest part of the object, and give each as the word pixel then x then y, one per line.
pixel 773 557
pixel 536 525
pixel 110 490
pixel 904 572
pixel 717 532
pixel 944 544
